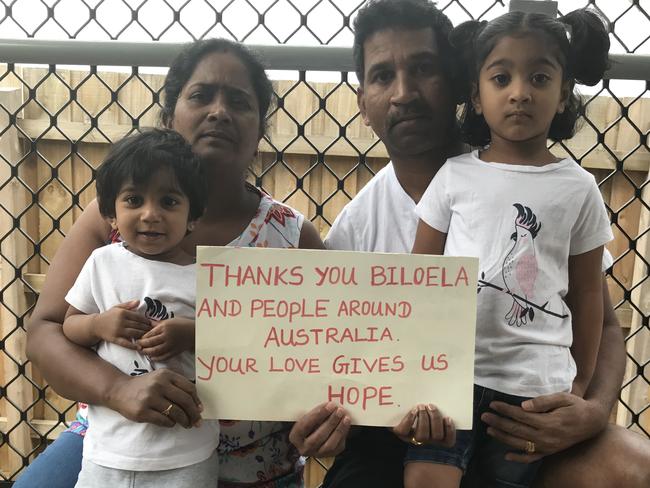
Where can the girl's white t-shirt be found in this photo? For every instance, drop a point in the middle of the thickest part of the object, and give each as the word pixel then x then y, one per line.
pixel 523 223
pixel 113 275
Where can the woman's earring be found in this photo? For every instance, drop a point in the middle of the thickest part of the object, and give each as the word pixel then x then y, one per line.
pixel 190 226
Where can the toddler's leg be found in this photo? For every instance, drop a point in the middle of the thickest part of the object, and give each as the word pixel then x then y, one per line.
pixel 430 475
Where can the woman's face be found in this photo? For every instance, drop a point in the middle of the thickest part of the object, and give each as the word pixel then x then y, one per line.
pixel 217 112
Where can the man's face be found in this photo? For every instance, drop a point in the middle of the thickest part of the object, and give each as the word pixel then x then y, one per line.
pixel 405 97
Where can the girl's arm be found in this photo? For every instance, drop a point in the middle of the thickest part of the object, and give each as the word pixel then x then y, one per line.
pixel 429 240
pixel 119 325
pixel 79 327
pixel 585 299
pixel 75 371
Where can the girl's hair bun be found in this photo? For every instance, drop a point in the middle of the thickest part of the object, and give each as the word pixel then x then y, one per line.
pixel 589 46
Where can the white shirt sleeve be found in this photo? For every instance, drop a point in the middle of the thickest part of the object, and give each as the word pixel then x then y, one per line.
pixel 608 259
pixel 434 207
pixel 80 296
pixel 592 228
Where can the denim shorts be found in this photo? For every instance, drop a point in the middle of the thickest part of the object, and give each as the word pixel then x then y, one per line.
pixel 485 452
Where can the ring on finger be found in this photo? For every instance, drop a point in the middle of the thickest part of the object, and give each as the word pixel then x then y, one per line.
pixel 168 410
pixel 530 447
pixel 415 442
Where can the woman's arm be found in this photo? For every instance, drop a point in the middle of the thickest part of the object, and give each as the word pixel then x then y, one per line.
pixel 46 344
pixel 76 372
pixel 585 300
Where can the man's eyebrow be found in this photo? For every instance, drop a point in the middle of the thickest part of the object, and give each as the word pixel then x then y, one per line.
pixel 418 56
pixel 424 55
pixel 380 66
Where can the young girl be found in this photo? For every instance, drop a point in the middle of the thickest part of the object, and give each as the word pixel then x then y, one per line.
pixel 537 223
pixel 151 190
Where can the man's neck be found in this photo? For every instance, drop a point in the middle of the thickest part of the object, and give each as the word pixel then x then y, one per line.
pixel 415 172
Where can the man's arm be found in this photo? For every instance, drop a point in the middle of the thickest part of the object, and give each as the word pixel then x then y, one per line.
pixel 558 421
pixel 586 303
pixel 606 382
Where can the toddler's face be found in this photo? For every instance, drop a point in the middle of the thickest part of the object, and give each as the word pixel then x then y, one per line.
pixel 153 218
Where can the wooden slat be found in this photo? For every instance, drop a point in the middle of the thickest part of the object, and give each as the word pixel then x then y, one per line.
pixel 15 253
pixel 39 128
pixel 637 394
pixel 50 429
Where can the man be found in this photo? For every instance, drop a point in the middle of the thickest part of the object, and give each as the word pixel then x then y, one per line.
pixel 405 68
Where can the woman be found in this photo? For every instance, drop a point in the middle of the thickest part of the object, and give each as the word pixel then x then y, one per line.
pixel 216 96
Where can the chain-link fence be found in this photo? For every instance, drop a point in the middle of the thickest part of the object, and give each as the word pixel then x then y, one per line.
pixel 56 122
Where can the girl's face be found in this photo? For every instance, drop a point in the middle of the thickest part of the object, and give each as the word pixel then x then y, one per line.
pixel 520 90
pixel 217 112
pixel 153 218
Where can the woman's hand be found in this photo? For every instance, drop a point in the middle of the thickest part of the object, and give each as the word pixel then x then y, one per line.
pixel 322 431
pixel 168 338
pixel 146 398
pixel 544 425
pixel 424 424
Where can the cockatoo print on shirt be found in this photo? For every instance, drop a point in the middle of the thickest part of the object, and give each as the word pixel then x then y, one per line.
pixel 520 266
pixel 156 311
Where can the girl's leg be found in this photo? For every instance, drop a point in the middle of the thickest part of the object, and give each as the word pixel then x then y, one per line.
pixel 56 467
pixel 430 475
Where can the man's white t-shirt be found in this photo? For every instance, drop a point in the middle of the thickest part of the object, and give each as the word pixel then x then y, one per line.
pixel 523 223
pixel 380 218
pixel 112 275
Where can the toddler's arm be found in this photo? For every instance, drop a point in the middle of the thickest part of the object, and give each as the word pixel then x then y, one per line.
pixel 168 338
pixel 119 325
pixel 428 240
pixel 585 299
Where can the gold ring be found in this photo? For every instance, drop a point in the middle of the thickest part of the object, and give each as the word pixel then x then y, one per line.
pixel 530 447
pixel 415 442
pixel 167 411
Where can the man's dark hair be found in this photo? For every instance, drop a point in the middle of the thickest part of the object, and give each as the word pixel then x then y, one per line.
pixel 134 159
pixel 379 15
pixel 183 66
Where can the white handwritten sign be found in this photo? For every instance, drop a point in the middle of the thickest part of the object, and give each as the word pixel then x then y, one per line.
pixel 279 331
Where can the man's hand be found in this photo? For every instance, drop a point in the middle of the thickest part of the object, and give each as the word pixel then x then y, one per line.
pixel 425 424
pixel 322 431
pixel 551 422
pixel 168 338
pixel 121 325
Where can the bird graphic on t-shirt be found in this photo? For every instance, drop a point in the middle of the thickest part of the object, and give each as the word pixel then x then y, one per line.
pixel 520 266
pixel 156 310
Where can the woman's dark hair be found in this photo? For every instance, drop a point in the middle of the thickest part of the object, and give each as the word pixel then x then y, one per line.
pixel 183 66
pixel 581 44
pixel 134 159
pixel 379 15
